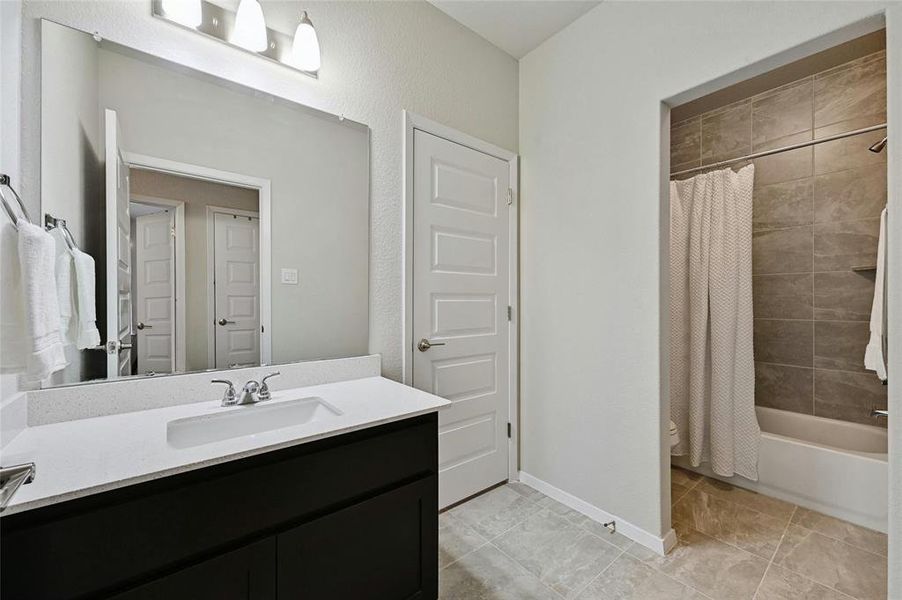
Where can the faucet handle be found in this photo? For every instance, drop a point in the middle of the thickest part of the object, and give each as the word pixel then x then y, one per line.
pixel 229 398
pixel 264 388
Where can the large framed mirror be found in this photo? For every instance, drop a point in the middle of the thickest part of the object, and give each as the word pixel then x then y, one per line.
pixel 226 227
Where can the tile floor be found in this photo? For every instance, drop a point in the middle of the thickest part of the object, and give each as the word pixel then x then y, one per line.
pixel 516 543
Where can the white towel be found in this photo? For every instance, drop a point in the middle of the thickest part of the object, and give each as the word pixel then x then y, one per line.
pixel 87 335
pixel 64 289
pixel 14 342
pixel 37 255
pixel 873 354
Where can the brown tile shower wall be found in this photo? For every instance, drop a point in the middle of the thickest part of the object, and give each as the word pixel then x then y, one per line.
pixel 816 216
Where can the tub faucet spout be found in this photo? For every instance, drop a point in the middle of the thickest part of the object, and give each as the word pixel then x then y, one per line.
pixel 877 412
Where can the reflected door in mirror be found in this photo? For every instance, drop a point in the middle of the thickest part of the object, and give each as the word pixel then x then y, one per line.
pixel 236 240
pixel 155 292
pixel 118 257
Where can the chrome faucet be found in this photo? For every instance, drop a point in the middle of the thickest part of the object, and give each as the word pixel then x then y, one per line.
pixel 251 393
pixel 229 398
pixel 264 393
pixel 877 412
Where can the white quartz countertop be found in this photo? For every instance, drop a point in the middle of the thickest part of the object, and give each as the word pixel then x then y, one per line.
pixel 88 456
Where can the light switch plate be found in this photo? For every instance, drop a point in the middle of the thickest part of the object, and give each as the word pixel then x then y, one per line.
pixel 290 276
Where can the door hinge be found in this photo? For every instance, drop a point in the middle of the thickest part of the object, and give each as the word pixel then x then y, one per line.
pixel 510 196
pixel 510 312
pixel 508 430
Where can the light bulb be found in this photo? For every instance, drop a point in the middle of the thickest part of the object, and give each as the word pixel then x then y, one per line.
pixel 250 27
pixel 184 12
pixel 305 47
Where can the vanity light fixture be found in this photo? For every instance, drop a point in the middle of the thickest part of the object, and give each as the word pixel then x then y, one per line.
pixel 250 27
pixel 184 12
pixel 246 29
pixel 305 46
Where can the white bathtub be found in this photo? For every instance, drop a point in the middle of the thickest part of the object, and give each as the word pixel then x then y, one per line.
pixel 830 466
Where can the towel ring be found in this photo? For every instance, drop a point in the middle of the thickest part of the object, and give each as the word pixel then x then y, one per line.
pixel 4 181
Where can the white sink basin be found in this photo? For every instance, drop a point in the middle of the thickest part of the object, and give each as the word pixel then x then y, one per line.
pixel 240 421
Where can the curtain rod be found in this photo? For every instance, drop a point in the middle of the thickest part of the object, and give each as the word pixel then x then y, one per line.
pixel 763 153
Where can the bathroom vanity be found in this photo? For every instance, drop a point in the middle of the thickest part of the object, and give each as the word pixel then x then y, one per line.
pixel 341 506
pixel 215 255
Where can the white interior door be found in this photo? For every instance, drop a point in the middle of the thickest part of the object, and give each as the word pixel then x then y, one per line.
pixel 461 295
pixel 118 252
pixel 236 283
pixel 155 293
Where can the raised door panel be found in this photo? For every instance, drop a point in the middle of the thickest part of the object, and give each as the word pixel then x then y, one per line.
pixel 237 297
pixel 384 548
pixel 155 292
pixel 248 573
pixel 461 293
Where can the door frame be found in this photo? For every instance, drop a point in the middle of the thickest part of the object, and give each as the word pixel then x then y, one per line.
pixel 210 224
pixel 180 279
pixel 264 192
pixel 412 123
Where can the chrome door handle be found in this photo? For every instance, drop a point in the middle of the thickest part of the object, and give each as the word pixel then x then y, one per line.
pixel 425 344
pixel 142 326
pixel 225 322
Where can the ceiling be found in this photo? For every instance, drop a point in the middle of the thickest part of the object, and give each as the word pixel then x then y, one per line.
pixel 515 26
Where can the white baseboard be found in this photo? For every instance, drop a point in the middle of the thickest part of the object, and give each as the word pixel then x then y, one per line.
pixel 660 545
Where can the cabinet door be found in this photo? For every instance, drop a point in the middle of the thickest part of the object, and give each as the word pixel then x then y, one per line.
pixel 245 574
pixel 382 548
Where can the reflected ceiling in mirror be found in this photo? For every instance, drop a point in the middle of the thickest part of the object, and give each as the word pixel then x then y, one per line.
pixel 227 227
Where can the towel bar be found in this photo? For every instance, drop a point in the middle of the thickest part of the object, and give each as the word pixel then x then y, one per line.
pixel 12 478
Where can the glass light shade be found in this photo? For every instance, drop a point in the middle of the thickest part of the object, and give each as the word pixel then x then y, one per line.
pixel 250 27
pixel 184 12
pixel 305 47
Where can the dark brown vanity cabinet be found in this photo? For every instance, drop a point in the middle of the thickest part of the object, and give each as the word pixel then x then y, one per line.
pixel 248 573
pixel 353 516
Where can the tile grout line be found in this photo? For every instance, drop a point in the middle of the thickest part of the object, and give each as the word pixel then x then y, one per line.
pixel 578 527
pixel 683 495
pixel 807 577
pixel 464 555
pixel 821 272
pixel 774 554
pixel 578 592
pixel 486 540
pixel 491 542
pixel 740 504
pixel 795 509
pixel 671 577
pixel 522 566
pixel 788 525
pixel 813 291
pixel 667 575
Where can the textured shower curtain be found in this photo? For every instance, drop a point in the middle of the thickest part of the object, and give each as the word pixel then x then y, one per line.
pixel 712 369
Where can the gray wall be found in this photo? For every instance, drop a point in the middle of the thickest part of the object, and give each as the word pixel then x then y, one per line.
pixel 593 144
pixel 71 158
pixel 816 215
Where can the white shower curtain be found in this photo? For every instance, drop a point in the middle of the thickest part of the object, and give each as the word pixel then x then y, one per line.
pixel 712 369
